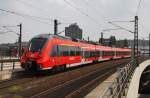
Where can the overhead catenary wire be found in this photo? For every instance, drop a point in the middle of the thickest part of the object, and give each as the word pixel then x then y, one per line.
pixel 10 30
pixel 111 29
pixel 81 12
pixel 122 21
pixel 94 9
pixel 4 32
pixel 120 27
pixel 142 26
pixel 106 20
pixel 38 8
pixel 139 4
pixel 7 25
pixel 25 15
pixel 35 18
pixel 138 7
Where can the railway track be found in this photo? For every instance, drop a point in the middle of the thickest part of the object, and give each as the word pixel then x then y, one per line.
pixel 23 77
pixel 79 87
pixel 72 81
pixel 17 77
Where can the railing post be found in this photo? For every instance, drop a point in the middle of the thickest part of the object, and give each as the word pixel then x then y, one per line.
pixel 111 92
pixel 13 65
pixel 119 96
pixel 112 96
pixel 117 81
pixel 1 65
pixel 124 91
pixel 122 82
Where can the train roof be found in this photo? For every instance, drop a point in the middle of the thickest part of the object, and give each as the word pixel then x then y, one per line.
pixel 49 36
pixel 83 43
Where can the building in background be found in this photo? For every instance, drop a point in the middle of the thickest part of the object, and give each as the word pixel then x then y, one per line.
pixel 11 49
pixel 108 41
pixel 73 31
pixel 105 42
pixel 124 43
pixel 143 45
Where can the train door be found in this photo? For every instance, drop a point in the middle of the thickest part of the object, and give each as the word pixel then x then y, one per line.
pixel 101 54
pixel 59 57
pixel 55 56
pixel 82 55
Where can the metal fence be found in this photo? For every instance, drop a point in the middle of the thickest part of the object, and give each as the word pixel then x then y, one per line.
pixel 8 53
pixel 9 64
pixel 8 58
pixel 119 87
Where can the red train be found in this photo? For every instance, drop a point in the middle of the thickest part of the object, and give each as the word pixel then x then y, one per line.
pixel 47 51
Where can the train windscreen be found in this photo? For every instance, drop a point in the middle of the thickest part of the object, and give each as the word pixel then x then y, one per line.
pixel 36 44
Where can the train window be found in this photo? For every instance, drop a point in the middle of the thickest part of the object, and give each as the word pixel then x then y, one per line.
pixel 72 51
pixel 101 53
pixel 93 54
pixel 90 53
pixel 75 50
pixel 112 53
pixel 59 50
pixel 97 54
pixel 78 51
pixel 104 53
pixel 118 53
pixel 88 56
pixel 54 51
pixel 36 44
pixel 108 53
pixel 82 53
pixel 85 54
pixel 65 51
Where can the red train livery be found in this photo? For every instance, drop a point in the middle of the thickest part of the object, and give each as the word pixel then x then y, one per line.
pixel 48 51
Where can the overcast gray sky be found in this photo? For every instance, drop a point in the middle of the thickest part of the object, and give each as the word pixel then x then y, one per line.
pixel 91 15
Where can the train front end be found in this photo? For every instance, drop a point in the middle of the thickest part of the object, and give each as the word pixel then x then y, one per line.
pixel 33 57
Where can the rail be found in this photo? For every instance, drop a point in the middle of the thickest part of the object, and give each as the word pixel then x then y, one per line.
pixel 118 88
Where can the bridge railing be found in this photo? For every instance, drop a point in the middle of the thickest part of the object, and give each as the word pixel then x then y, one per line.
pixel 119 86
pixel 9 64
pixel 9 59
